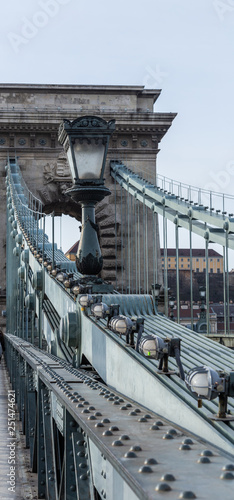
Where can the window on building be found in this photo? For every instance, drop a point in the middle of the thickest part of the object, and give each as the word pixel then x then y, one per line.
pixel 162 258
pixel 217 260
pixel 204 260
pixel 169 259
pixel 204 270
pixel 188 265
pixel 188 260
pixel 169 265
pixel 197 269
pixel 197 260
pixel 211 260
pixel 211 270
pixel 182 260
pixel 182 265
pixel 218 270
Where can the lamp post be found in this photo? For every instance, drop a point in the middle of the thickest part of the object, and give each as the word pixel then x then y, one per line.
pixel 155 292
pixel 171 305
pixel 201 325
pixel 85 141
pixel 202 293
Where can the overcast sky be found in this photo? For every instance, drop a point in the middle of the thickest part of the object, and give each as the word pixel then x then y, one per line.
pixel 184 47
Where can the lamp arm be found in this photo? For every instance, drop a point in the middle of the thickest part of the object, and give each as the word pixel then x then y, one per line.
pixel 160 364
pixel 139 335
pixel 179 364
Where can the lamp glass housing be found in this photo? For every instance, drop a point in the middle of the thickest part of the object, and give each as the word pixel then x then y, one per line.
pixel 156 289
pixel 202 291
pixel 85 141
pixel 204 382
pixel 99 310
pixel 171 302
pixel 85 300
pixel 89 157
pixel 121 324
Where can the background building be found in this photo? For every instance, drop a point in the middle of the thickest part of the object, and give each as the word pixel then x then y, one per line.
pixel 215 260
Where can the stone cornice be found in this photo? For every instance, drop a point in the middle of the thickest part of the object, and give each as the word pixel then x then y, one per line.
pixel 100 89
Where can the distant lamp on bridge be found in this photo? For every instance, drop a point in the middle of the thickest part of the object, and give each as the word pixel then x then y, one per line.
pixel 156 292
pixel 172 305
pixel 206 383
pixel 86 300
pixel 85 141
pixel 154 347
pixel 201 326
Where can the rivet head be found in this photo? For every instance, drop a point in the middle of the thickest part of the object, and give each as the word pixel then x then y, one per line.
pixel 187 441
pixel 107 433
pixel 145 469
pixel 124 437
pixel 85 411
pixel 82 465
pixel 105 421
pixel 136 447
pixel 203 460
pixel 163 487
pixel 168 436
pixel 117 443
pixel 99 424
pixel 98 414
pixel 92 417
pixel 168 477
pixel 227 475
pixel 132 413
pixel 185 447
pixel 123 408
pixel 154 427
pixel 81 454
pixel 228 467
pixel 147 415
pixel 207 453
pixel 83 477
pixel 116 403
pixel 173 432
pixel 130 454
pixel 159 422
pixel 92 408
pixel 114 428
pixel 142 419
pixel 187 495
pixel 80 443
pixel 150 461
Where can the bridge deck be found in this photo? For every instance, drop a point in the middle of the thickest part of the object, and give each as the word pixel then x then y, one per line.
pixel 12 449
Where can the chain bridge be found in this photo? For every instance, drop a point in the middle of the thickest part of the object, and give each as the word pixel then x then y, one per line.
pixel 105 415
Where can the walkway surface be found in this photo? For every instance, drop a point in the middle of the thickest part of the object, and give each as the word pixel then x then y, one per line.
pixel 16 480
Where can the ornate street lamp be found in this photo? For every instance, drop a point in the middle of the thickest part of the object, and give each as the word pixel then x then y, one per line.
pixel 171 305
pixel 156 292
pixel 201 325
pixel 85 141
pixel 205 383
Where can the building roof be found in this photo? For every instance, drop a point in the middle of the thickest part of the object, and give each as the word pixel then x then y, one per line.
pixel 219 309
pixel 73 249
pixel 196 252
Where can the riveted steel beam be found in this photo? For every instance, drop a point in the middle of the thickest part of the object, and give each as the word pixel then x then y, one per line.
pixel 133 453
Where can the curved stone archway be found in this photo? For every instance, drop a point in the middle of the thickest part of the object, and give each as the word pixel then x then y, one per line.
pixel 29 122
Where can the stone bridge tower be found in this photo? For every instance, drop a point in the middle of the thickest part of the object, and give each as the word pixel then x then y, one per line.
pixel 29 120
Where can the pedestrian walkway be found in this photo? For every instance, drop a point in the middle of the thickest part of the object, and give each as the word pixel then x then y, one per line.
pixel 16 480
